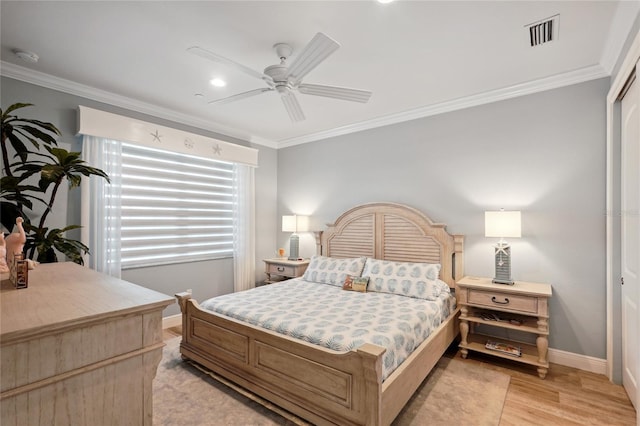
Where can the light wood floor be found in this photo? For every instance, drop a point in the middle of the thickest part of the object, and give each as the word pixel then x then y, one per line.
pixel 567 396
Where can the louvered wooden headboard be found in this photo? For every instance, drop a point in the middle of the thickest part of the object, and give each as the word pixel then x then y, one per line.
pixel 394 232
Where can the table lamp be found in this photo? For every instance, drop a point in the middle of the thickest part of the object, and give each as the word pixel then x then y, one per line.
pixel 502 224
pixel 295 224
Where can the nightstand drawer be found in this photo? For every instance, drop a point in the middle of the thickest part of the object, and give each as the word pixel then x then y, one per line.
pixel 511 302
pixel 277 269
pixel 284 270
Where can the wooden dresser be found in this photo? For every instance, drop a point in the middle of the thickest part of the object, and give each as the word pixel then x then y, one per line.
pixel 78 348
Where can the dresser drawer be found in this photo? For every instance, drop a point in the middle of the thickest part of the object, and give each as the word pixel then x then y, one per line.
pixel 285 270
pixel 507 302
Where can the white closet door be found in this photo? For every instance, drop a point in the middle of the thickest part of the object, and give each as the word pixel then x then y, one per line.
pixel 630 239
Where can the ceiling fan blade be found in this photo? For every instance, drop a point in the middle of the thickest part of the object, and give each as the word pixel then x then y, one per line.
pixel 293 107
pixel 318 49
pixel 204 53
pixel 346 94
pixel 239 96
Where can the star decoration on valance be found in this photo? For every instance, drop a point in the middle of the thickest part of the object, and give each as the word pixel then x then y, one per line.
pixel 156 136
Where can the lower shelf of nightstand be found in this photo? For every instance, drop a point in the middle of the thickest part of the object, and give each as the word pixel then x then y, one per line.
pixel 527 324
pixel 529 355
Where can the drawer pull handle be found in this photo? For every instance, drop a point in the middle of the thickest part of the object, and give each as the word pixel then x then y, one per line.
pixel 280 268
pixel 506 301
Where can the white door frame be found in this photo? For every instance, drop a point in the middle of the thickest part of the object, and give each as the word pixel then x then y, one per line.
pixel 613 136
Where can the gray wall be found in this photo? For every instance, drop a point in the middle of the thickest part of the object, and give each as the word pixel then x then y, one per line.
pixel 543 154
pixel 206 279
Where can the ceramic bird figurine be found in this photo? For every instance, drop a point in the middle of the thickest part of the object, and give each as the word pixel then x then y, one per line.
pixel 3 254
pixel 15 242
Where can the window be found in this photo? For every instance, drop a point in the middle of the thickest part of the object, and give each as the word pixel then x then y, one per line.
pixel 175 207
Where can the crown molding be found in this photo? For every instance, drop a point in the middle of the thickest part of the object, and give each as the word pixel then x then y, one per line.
pixel 67 86
pixel 522 89
pixel 621 25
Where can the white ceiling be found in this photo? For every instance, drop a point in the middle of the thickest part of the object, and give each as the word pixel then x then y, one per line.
pixel 417 57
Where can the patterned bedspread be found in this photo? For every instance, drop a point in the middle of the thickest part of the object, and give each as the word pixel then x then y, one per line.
pixel 341 320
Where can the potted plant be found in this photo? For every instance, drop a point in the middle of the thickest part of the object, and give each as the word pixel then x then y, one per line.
pixel 19 190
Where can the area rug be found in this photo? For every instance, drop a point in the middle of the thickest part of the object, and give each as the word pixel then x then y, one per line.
pixel 455 393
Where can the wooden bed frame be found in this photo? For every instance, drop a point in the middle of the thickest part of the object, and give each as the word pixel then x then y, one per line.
pixel 318 384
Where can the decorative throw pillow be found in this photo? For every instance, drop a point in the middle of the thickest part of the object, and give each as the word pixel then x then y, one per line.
pixel 419 280
pixel 333 271
pixel 360 284
pixel 352 283
pixel 348 283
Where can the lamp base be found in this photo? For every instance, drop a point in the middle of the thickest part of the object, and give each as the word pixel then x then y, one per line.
pixel 503 264
pixel 294 244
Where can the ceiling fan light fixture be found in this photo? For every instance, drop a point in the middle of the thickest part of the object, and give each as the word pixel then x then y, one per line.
pixel 283 89
pixel 218 82
pixel 286 79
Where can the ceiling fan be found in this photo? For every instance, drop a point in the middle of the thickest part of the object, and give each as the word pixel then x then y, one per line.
pixel 286 78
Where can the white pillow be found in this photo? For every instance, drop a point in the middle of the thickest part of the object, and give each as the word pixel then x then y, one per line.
pixel 333 271
pixel 419 280
pixel 444 287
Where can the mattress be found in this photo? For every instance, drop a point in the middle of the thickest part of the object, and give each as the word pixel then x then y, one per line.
pixel 336 319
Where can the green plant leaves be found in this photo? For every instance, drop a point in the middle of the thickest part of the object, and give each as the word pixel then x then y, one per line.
pixel 11 109
pixel 44 241
pixel 52 168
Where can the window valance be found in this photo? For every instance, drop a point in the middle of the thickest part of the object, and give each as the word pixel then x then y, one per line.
pixel 103 124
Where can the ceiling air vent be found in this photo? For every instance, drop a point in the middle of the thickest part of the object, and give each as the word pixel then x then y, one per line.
pixel 544 31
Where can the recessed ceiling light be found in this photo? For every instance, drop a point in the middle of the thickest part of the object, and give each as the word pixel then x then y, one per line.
pixel 384 1
pixel 218 82
pixel 26 56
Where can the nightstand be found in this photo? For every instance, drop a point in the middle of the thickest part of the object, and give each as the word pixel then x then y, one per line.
pixel 523 307
pixel 284 268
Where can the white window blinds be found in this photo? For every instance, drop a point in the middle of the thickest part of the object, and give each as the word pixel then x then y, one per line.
pixel 175 207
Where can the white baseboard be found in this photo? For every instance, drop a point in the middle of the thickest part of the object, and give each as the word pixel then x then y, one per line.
pixel 556 356
pixel 172 321
pixel 581 362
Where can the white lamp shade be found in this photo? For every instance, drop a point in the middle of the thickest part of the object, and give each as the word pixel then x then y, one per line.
pixel 302 223
pixel 295 223
pixel 502 224
pixel 288 224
